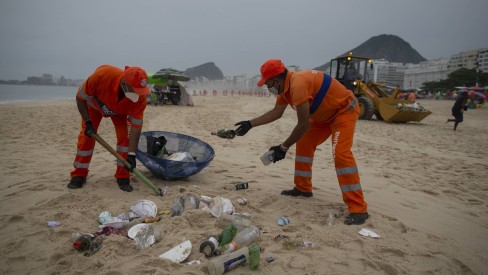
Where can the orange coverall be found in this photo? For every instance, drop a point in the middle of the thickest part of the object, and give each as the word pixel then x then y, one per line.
pixel 335 117
pixel 101 92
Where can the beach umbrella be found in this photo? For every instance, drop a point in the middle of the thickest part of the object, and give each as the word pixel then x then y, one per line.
pixel 155 81
pixel 475 88
pixel 170 73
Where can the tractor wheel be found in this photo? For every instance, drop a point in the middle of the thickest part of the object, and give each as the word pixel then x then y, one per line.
pixel 366 108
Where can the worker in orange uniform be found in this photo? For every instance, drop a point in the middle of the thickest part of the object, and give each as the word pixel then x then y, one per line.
pixel 120 95
pixel 325 108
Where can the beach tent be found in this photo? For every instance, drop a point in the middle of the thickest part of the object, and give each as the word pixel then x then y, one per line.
pixel 186 98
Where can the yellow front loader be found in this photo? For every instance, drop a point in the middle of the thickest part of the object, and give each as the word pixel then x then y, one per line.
pixel 374 98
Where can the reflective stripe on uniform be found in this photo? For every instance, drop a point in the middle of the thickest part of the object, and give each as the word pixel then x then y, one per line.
pixel 350 187
pixel 135 121
pixel 306 174
pixel 304 159
pixel 89 99
pixel 84 153
pixel 81 165
pixel 120 163
pixel 347 170
pixel 353 103
pixel 122 149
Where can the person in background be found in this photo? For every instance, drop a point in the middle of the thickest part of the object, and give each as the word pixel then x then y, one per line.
pixel 120 95
pixel 411 97
pixel 350 75
pixel 325 108
pixel 458 109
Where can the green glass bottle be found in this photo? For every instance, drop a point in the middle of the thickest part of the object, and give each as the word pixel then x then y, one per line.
pixel 227 234
pixel 254 256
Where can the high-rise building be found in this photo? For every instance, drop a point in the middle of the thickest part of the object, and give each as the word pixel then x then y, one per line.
pixel 390 73
pixel 431 70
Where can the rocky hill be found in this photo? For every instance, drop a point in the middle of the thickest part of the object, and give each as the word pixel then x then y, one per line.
pixel 386 46
pixel 208 70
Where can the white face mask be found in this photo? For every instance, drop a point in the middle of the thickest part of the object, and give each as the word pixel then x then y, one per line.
pixel 273 90
pixel 132 96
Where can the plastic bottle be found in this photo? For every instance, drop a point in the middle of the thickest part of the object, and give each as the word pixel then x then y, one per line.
pixel 243 238
pixel 330 219
pixel 268 157
pixel 254 256
pixel 240 220
pixel 191 202
pixel 227 262
pixel 133 222
pixel 210 246
pixel 227 234
pixel 178 207
pixel 225 133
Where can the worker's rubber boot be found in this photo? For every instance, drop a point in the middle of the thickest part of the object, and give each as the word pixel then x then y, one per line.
pixel 295 193
pixel 356 218
pixel 124 185
pixel 76 182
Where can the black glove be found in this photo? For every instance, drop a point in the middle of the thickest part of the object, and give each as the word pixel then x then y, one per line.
pixel 131 159
pixel 278 153
pixel 244 127
pixel 89 128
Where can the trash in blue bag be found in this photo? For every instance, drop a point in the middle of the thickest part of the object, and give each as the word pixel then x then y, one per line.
pixel 187 155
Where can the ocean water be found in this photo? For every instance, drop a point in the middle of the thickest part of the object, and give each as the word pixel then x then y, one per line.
pixel 15 93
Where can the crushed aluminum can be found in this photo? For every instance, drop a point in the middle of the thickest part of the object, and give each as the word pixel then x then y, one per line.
pixel 269 259
pixel 284 220
pixel 164 191
pixel 242 201
pixel 242 185
pixel 308 244
pixel 53 223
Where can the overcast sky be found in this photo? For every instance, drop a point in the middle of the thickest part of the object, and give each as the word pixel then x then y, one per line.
pixel 72 37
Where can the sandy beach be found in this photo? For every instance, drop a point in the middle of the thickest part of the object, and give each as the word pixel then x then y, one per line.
pixel 425 185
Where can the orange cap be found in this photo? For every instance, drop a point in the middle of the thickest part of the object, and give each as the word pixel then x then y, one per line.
pixel 137 79
pixel 269 69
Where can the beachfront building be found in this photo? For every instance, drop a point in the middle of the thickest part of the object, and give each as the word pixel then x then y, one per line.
pixel 467 59
pixel 390 73
pixel 483 60
pixel 431 70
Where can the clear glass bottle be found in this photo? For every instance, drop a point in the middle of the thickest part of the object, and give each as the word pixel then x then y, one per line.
pixel 330 219
pixel 240 220
pixel 243 238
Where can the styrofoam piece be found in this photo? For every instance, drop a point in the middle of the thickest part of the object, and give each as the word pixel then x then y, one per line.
pixel 368 233
pixel 178 253
pixel 133 230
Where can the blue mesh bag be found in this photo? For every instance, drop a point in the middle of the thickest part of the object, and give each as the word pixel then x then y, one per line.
pixel 201 152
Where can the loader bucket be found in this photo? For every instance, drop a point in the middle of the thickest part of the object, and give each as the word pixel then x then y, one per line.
pixel 392 110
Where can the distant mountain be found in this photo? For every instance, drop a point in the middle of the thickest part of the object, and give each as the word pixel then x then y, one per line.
pixel 208 70
pixel 386 46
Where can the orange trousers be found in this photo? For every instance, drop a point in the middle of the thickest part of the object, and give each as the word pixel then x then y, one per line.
pixel 341 128
pixel 86 145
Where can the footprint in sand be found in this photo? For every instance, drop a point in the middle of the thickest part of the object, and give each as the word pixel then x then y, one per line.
pixel 353 245
pixel 399 226
pixel 475 202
